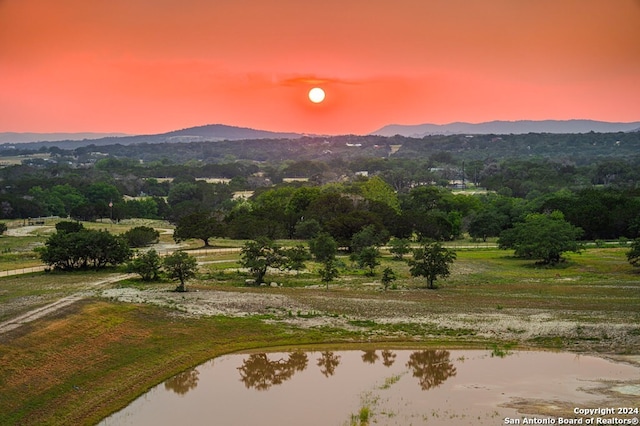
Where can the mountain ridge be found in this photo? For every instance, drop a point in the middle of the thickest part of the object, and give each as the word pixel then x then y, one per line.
pixel 507 127
pixel 26 137
pixel 204 133
pixel 222 132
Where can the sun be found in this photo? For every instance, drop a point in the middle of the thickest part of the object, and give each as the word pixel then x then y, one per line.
pixel 316 95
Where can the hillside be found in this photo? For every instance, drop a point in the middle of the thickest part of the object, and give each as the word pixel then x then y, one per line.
pixel 508 127
pixel 208 133
pixel 16 137
pixel 576 148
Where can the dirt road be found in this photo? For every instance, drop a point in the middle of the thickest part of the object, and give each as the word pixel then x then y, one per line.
pixel 42 311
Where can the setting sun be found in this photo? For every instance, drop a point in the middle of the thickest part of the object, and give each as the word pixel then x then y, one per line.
pixel 316 95
pixel 251 63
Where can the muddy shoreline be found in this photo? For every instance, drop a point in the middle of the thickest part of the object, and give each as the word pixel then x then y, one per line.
pixel 388 317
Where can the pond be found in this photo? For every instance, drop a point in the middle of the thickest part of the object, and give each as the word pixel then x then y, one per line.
pixel 383 387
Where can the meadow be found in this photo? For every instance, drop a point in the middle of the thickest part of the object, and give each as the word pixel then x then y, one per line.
pixel 89 358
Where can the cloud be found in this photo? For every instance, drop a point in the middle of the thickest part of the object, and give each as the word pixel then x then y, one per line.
pixel 311 80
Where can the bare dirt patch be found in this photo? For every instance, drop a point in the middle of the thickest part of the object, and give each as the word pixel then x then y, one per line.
pixel 25 231
pixel 409 319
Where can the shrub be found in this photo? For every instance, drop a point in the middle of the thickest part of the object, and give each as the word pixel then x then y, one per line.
pixel 141 236
pixel 86 248
pixel 147 265
pixel 69 226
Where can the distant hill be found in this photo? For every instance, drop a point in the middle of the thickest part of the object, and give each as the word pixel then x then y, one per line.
pixel 207 133
pixel 213 132
pixel 507 128
pixel 14 137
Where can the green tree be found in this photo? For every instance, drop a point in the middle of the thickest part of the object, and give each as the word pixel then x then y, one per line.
pixel 485 224
pixel 431 261
pixel 199 225
pixel 99 195
pixel 388 276
pixel 69 226
pixel 141 236
pixel 271 209
pixel 83 249
pixel 147 265
pixel 50 204
pixel 328 272
pixel 368 236
pixel 181 266
pixel 542 236
pixel 295 257
pixel 259 255
pixel 306 229
pixel 184 198
pixel 323 247
pixel 104 248
pixel 344 227
pixel 433 224
pixel 399 247
pixel 69 196
pixel 633 255
pixel 368 258
pixel 3 228
pixel 140 208
pixel 376 189
pixel 183 192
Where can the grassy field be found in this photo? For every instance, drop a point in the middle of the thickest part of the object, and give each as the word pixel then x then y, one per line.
pixel 94 356
pixel 77 367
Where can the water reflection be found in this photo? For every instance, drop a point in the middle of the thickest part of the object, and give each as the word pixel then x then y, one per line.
pixel 395 382
pixel 328 363
pixel 370 356
pixel 388 358
pixel 183 382
pixel 432 368
pixel 259 372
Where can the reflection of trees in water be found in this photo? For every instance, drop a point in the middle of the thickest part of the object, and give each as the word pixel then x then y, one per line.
pixel 328 363
pixel 431 367
pixel 259 372
pixel 183 382
pixel 370 356
pixel 388 358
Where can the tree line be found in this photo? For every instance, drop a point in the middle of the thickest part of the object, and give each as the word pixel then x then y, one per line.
pixel 301 210
pixel 425 212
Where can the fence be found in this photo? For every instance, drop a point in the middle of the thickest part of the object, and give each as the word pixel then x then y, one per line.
pixel 201 251
pixel 22 271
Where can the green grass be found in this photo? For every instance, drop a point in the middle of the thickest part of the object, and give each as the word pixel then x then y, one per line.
pixel 18 252
pixel 598 279
pixel 22 293
pixel 13 260
pixel 77 368
pixel 390 381
pixel 86 361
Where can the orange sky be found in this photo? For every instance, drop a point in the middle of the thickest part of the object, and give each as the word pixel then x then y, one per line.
pixel 149 66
